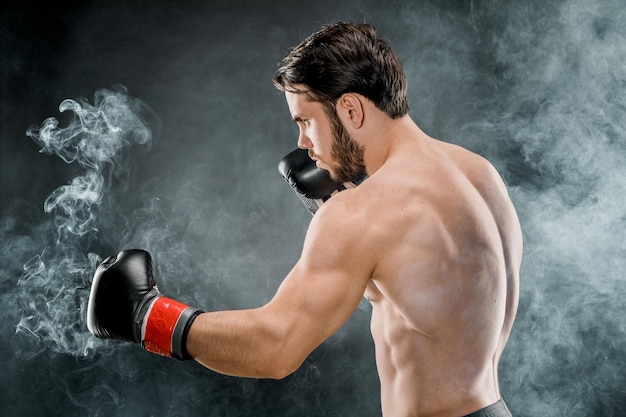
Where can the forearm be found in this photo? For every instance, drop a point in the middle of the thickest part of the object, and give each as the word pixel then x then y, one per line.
pixel 245 343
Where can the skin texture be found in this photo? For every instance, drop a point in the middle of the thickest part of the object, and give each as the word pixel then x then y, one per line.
pixel 431 239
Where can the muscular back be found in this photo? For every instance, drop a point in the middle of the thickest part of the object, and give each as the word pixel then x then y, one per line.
pixel 447 247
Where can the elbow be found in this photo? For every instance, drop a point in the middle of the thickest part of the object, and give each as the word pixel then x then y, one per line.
pixel 283 366
pixel 279 374
pixel 283 360
pixel 282 349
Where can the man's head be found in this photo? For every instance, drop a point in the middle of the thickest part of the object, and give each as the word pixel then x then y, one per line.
pixel 340 59
pixel 346 58
pixel 324 136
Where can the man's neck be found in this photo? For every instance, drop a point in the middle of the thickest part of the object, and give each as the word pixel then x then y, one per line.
pixel 387 137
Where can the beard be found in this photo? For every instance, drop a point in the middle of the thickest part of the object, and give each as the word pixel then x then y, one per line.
pixel 346 152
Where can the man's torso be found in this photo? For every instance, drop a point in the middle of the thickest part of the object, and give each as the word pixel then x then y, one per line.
pixel 447 247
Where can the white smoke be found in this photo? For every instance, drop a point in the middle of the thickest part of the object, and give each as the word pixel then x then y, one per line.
pixel 53 289
pixel 543 83
pixel 562 105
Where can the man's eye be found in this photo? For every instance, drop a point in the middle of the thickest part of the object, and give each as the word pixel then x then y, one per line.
pixel 302 122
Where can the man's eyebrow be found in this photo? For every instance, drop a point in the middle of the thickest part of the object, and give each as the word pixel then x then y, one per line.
pixel 297 119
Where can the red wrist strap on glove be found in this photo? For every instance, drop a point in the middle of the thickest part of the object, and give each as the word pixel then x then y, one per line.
pixel 165 327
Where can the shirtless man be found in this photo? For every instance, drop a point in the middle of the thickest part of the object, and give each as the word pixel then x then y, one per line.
pixel 430 238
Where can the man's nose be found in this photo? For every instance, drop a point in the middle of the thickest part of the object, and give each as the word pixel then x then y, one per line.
pixel 304 142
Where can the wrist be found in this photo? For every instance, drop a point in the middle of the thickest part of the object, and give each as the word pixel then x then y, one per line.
pixel 165 327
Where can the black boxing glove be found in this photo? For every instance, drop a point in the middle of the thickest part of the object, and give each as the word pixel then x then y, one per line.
pixel 312 184
pixel 125 304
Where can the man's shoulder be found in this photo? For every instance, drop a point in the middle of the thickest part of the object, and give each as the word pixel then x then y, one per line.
pixel 470 159
pixel 360 213
pixel 349 214
pixel 341 232
pixel 340 206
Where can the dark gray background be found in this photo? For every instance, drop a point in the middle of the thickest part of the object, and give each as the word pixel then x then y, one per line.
pixel 537 87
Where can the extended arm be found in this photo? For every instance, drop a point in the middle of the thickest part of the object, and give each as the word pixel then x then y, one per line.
pixel 316 298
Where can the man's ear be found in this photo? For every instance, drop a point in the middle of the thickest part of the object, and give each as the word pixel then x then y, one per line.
pixel 350 110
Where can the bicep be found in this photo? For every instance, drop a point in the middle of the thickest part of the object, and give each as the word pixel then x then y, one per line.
pixel 326 285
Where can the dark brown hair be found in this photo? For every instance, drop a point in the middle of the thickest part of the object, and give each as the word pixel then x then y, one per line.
pixel 346 58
